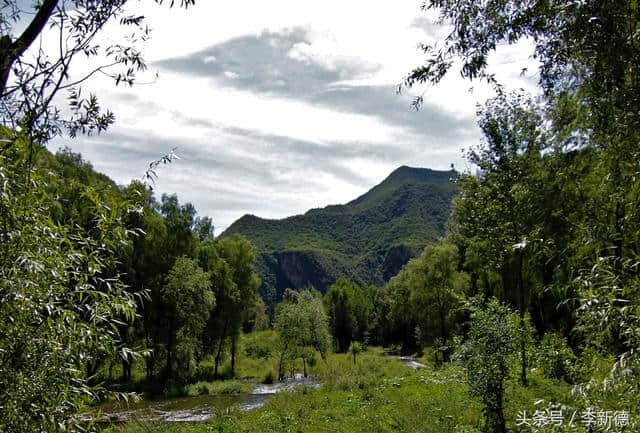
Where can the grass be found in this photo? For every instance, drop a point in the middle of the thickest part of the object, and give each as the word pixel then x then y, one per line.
pixel 378 394
pixel 381 394
pixel 227 387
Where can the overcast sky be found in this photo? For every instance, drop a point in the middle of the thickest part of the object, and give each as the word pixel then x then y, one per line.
pixel 278 107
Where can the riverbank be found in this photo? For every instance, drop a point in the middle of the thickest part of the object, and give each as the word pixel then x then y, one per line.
pixel 377 394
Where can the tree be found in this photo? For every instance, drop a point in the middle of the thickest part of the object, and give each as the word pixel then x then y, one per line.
pixel 499 209
pixel 61 296
pixel 437 289
pixel 179 220
pixel 203 228
pixel 240 255
pixel 355 348
pixel 31 77
pixel 396 317
pixel 230 263
pixel 302 328
pixel 486 357
pixel 225 291
pixel 188 297
pixel 348 307
pixel 588 53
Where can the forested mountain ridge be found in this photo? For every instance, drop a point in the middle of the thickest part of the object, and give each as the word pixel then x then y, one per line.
pixel 367 240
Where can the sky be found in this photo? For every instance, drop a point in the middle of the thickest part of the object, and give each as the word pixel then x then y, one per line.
pixel 279 107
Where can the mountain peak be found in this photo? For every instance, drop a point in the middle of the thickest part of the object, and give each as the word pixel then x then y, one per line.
pixel 367 240
pixel 405 173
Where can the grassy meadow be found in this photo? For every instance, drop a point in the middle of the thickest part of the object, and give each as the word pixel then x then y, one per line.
pixel 378 394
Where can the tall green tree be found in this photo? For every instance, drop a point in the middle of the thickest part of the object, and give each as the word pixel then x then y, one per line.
pixel 499 208
pixel 486 356
pixel 302 327
pixel 349 307
pixel 61 297
pixel 189 300
pixel 437 290
pixel 396 317
pixel 230 263
pixel 588 53
pixel 241 257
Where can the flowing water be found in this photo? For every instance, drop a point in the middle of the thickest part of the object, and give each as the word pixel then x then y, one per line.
pixel 411 362
pixel 198 408
pixel 204 407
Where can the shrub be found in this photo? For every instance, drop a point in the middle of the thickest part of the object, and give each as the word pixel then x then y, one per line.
pixel 217 388
pixel 486 355
pixel 257 350
pixel 555 358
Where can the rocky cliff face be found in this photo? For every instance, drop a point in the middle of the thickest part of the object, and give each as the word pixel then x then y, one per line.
pixel 367 240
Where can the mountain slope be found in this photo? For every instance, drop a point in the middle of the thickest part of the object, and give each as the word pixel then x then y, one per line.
pixel 367 240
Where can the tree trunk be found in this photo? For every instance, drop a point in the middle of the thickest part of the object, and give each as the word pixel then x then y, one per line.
pixel 126 370
pixel 500 425
pixel 443 334
pixel 618 240
pixel 234 344
pixel 220 345
pixel 170 349
pixel 10 50
pixel 150 364
pixel 281 367
pixel 523 348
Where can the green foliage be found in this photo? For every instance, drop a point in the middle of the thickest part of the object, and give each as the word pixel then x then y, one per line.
pixel 355 348
pixel 555 358
pixel 379 394
pixel 437 289
pixel 394 319
pixel 188 297
pixel 420 305
pixel 486 356
pixel 349 307
pixel 230 262
pixel 257 351
pixel 61 296
pixel 227 387
pixel 302 327
pixel 366 240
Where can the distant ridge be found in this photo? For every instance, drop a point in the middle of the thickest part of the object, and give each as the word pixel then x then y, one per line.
pixel 367 240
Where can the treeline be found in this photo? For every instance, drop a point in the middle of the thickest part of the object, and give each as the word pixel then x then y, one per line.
pixel 197 293
pixel 194 294
pixel 421 306
pixel 550 231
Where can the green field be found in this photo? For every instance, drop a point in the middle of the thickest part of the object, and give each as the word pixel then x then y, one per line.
pixel 381 393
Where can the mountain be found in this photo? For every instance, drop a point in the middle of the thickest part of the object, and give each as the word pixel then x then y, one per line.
pixel 367 240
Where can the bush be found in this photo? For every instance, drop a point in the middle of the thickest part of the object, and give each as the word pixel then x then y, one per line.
pixel 229 387
pixel 486 356
pixel 257 350
pixel 555 358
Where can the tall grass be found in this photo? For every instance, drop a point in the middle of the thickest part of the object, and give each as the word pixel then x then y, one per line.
pixel 378 394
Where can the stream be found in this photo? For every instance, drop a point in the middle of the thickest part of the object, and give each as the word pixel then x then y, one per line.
pixel 204 407
pixel 411 362
pixel 197 408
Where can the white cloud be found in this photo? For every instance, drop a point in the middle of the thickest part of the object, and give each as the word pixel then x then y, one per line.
pixel 232 140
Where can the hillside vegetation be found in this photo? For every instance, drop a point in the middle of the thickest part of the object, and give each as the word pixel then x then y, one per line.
pixel 367 240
